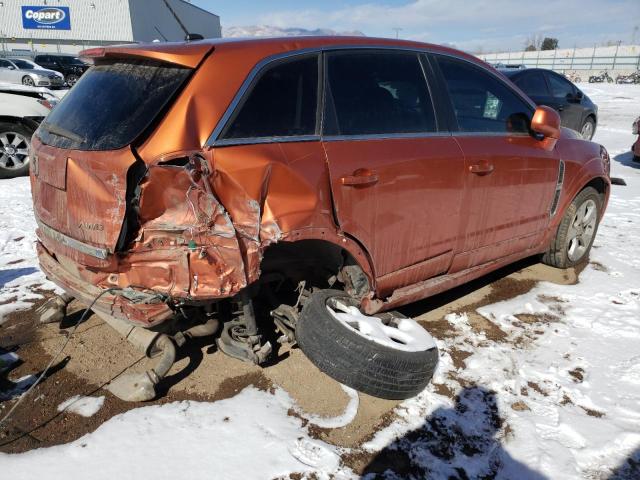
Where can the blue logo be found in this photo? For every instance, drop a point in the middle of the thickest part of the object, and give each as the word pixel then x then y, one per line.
pixel 47 18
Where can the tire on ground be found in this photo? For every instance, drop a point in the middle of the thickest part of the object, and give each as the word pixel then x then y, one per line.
pixel 24 131
pixel 357 362
pixel 558 253
pixel 591 121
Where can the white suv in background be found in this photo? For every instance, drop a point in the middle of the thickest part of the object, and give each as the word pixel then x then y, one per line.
pixel 22 109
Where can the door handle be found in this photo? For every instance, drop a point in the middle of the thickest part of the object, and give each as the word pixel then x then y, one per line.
pixel 360 178
pixel 482 168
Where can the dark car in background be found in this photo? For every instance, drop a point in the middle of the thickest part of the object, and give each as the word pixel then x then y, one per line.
pixel 546 87
pixel 71 67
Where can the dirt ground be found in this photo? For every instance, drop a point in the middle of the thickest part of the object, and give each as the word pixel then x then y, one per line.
pixel 96 354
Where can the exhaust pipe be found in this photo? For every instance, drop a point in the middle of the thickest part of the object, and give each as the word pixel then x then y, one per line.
pixel 141 387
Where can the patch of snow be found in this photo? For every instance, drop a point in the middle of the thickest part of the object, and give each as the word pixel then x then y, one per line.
pixel 248 436
pixel 339 421
pixel 81 405
pixel 20 277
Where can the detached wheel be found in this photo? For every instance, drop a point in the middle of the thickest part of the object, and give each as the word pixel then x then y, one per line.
pixel 392 358
pixel 576 232
pixel 588 128
pixel 14 150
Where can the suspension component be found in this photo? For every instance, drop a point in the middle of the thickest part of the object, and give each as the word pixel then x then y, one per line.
pixel 240 338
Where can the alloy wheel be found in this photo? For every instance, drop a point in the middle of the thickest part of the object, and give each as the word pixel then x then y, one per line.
pixel 14 150
pixel 581 230
pixel 399 333
pixel 587 131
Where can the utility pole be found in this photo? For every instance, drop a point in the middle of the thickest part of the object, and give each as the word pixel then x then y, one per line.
pixel 397 30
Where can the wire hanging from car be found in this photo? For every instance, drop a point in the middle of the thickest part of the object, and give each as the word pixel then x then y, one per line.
pixel 6 418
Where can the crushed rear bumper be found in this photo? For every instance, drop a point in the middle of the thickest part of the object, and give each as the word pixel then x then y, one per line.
pixel 137 308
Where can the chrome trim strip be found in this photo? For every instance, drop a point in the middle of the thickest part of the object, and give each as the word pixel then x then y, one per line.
pixel 228 142
pixel 63 239
pixel 491 134
pixel 384 136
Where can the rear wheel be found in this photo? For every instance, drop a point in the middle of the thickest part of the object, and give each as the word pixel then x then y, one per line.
pixel 14 150
pixel 588 128
pixel 28 81
pixel 387 356
pixel 576 232
pixel 71 79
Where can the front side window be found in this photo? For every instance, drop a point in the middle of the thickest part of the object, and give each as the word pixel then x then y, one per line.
pixel 481 102
pixel 533 84
pixel 282 103
pixel 560 88
pixel 377 93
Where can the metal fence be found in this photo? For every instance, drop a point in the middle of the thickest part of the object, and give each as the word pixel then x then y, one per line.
pixel 618 63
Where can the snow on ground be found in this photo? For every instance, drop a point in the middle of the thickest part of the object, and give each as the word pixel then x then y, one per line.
pixel 20 278
pixel 558 397
pixel 81 405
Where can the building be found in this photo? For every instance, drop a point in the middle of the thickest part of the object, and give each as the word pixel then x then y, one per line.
pixel 68 26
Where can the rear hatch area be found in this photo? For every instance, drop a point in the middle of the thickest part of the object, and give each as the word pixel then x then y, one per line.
pixel 84 151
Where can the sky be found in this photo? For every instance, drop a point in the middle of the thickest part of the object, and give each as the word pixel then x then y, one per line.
pixel 482 25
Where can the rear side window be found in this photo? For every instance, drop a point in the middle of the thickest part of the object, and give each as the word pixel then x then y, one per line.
pixel 282 103
pixel 533 84
pixel 560 88
pixel 377 93
pixel 481 102
pixel 112 105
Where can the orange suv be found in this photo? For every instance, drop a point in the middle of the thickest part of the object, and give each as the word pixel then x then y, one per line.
pixel 222 187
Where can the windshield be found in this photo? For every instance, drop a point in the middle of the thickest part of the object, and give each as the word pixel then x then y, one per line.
pixel 111 105
pixel 23 64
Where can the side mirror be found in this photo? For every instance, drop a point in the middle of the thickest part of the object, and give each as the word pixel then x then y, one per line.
pixel 11 67
pixel 546 125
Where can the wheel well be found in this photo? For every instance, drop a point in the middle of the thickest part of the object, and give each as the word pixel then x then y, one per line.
pixel 599 184
pixel 318 262
pixel 31 126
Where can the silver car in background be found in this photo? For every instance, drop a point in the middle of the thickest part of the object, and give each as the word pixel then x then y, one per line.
pixel 26 72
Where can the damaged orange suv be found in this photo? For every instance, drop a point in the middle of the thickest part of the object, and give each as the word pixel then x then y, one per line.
pixel 302 186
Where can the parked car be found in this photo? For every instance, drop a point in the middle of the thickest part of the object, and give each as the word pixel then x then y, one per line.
pixel 509 66
pixel 21 111
pixel 635 148
pixel 71 67
pixel 318 183
pixel 25 72
pixel 546 87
